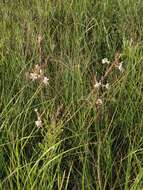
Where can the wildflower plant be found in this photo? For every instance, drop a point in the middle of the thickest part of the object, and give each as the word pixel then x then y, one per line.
pixel 37 74
pixel 100 85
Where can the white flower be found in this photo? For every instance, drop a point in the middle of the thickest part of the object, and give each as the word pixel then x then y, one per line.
pixel 120 67
pixel 38 123
pixel 105 61
pixel 36 110
pixel 107 86
pixel 33 76
pixel 99 102
pixel 45 81
pixel 97 85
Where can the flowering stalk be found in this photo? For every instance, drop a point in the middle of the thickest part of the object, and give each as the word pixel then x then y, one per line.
pixel 38 122
pixel 38 74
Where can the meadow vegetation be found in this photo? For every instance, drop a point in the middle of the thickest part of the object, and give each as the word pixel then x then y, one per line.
pixel 71 94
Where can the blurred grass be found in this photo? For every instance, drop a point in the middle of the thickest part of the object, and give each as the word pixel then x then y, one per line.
pixel 84 149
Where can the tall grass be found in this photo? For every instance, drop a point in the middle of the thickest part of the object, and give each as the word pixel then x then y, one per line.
pixel 80 145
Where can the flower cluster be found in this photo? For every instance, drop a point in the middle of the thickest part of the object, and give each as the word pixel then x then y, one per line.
pixel 37 74
pixel 97 86
pixel 101 83
pixel 117 64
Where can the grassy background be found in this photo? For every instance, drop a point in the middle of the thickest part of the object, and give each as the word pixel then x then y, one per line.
pixel 86 148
